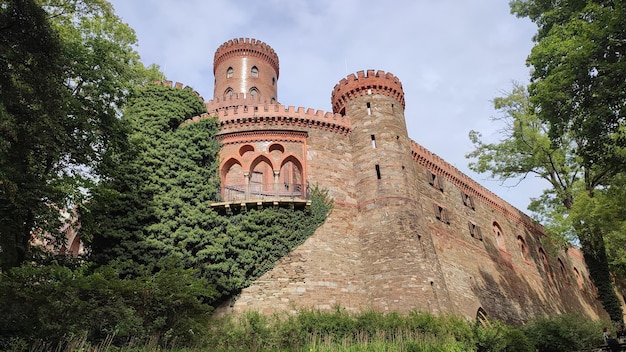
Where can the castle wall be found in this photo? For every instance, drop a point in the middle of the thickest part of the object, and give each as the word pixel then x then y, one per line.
pixel 408 230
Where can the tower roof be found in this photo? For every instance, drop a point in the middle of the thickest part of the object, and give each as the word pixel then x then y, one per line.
pixel 378 82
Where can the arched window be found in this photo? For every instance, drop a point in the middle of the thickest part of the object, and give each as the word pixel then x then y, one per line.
pixel 563 271
pixel 544 260
pixel 254 91
pixel 229 72
pixel 579 280
pixel 522 247
pixel 228 92
pixel 254 71
pixel 499 235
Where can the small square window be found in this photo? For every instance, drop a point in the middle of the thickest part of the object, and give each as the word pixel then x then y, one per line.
pixel 468 200
pixel 435 181
pixel 441 213
pixel 475 231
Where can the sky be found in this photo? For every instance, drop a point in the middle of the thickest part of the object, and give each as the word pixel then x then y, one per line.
pixel 453 58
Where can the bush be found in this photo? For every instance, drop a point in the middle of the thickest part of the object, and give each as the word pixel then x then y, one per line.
pixel 53 304
pixel 564 333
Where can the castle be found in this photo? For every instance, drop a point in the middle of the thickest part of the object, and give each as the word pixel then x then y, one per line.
pixel 408 230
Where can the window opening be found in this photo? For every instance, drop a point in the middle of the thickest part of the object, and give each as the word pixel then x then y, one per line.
pixel 435 181
pixel 523 248
pixel 441 213
pixel 254 91
pixel 369 109
pixel 254 71
pixel 468 200
pixel 499 235
pixel 378 171
pixel 373 141
pixel 229 92
pixel 475 231
pixel 229 72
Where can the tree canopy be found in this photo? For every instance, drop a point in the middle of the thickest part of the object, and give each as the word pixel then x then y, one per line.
pixel 569 128
pixel 67 68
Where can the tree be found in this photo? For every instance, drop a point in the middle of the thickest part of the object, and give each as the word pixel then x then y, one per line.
pixel 33 128
pixel 578 88
pixel 66 73
pixel 578 94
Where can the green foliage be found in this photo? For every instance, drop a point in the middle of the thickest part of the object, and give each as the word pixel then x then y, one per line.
pixel 64 76
pixel 155 201
pixel 569 128
pixel 33 127
pixel 51 304
pixel 500 337
pixel 563 333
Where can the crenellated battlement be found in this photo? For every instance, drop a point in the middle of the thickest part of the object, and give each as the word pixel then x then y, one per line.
pixel 443 169
pixel 365 83
pixel 236 99
pixel 248 47
pixel 276 115
pixel 178 85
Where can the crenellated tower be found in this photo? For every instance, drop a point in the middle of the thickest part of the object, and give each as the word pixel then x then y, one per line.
pixel 390 215
pixel 245 69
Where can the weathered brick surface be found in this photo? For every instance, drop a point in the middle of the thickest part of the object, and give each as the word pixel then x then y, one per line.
pixel 399 237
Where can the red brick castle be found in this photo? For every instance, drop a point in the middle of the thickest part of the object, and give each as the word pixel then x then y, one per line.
pixel 408 230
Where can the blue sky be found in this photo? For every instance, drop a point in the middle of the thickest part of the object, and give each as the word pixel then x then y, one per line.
pixel 452 57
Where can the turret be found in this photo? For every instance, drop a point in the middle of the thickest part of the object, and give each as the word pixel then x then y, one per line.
pixel 245 68
pixel 395 245
pixel 374 102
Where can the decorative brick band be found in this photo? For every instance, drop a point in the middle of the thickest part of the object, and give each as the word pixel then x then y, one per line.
pixel 442 169
pixel 377 82
pixel 263 135
pixel 246 47
pixel 275 116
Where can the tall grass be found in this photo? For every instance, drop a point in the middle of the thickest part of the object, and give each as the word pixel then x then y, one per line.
pixel 315 331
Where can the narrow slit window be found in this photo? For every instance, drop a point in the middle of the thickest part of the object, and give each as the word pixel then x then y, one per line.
pixel 369 109
pixel 378 171
pixel 373 141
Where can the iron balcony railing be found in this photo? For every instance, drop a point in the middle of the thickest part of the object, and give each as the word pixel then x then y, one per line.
pixel 257 191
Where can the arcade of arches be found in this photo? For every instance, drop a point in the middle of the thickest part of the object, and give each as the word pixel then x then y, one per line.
pixel 263 169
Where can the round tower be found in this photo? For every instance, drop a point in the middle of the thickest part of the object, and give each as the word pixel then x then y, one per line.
pixel 246 66
pixel 374 102
pixel 398 253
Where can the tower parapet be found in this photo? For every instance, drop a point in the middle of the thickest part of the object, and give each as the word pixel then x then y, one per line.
pixel 246 66
pixel 365 83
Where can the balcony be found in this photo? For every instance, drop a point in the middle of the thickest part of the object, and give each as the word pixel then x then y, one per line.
pixel 238 198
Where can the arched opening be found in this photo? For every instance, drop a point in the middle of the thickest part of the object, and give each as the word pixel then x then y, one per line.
pixel 499 235
pixel 246 149
pixel 228 92
pixel 254 71
pixel 291 177
pixel 482 318
pixel 579 280
pixel 563 271
pixel 261 176
pixel 523 247
pixel 254 91
pixel 276 147
pixel 233 182
pixel 544 260
pixel 229 72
